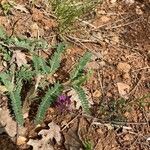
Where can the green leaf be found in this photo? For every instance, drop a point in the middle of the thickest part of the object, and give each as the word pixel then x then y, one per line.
pixel 6 7
pixel 48 100
pixel 80 66
pixel 40 65
pixel 87 145
pixel 2 33
pixel 6 79
pixel 16 103
pixel 83 99
pixel 16 106
pixel 35 60
pixel 20 42
pixel 56 58
pixel 44 67
pixel 82 79
pixel 14 93
pixel 25 73
pixel 26 43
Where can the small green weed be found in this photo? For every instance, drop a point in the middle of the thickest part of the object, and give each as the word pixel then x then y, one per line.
pixel 68 11
pixel 88 145
pixel 5 7
pixel 114 109
pixel 142 102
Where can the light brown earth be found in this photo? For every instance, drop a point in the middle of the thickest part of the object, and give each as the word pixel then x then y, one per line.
pixel 118 33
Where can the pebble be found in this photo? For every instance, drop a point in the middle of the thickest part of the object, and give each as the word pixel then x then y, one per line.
pixel 124 67
pixel 105 19
pixel 97 94
pixel 93 65
pixel 21 140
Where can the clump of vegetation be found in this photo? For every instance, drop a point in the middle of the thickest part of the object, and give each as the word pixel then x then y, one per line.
pixel 6 6
pixel 114 110
pixel 16 76
pixel 68 11
pixel 87 145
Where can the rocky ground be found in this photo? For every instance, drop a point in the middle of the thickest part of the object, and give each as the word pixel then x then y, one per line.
pixel 118 34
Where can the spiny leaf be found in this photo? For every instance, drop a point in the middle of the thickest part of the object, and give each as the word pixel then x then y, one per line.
pixel 44 66
pixel 14 93
pixel 80 66
pixel 20 42
pixel 16 103
pixel 35 60
pixel 25 73
pixel 82 79
pixel 83 99
pixel 2 33
pixel 48 99
pixel 40 65
pixel 56 58
pixel 6 79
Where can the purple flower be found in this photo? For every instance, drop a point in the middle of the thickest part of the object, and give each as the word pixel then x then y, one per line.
pixel 63 102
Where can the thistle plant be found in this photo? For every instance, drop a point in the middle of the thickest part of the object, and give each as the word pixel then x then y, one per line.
pixel 14 78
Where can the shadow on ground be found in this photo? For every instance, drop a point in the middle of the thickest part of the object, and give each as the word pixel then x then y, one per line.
pixel 5 141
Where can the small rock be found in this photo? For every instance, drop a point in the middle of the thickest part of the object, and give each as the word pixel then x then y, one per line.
pixel 127 137
pixel 123 89
pixel 21 140
pixel 34 30
pixel 96 55
pixel 102 63
pixel 105 19
pixel 113 1
pixel 129 1
pixel 25 115
pixel 115 39
pixel 93 65
pixel 106 40
pixel 139 11
pixel 101 12
pixel 51 110
pixel 1 68
pixel 109 94
pixel 109 126
pixel 148 139
pixel 123 67
pixel 99 131
pixel 126 114
pixel 97 94
pixel 3 89
pixel 22 131
pixel 126 76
